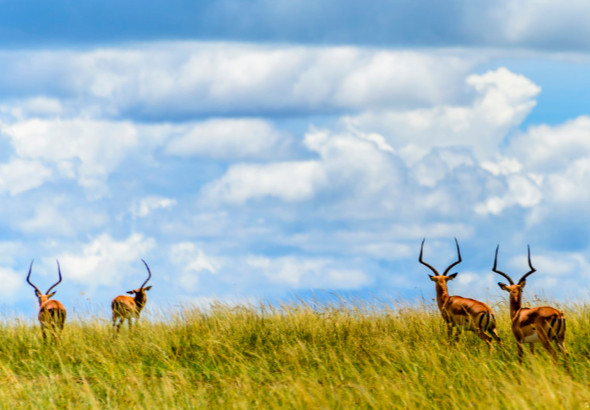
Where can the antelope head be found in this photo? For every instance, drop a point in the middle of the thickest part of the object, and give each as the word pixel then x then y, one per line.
pixel 438 278
pixel 515 290
pixel 139 293
pixel 43 297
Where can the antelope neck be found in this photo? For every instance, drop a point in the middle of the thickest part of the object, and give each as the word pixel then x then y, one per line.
pixel 140 299
pixel 515 303
pixel 442 294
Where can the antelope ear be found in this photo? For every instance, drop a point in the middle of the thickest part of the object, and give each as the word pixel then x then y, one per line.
pixel 131 292
pixel 432 278
pixel 37 293
pixel 453 276
pixel 50 295
pixel 521 284
pixel 147 288
pixel 503 286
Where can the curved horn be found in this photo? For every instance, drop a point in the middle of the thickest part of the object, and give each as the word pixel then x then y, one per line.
pixel 533 270
pixel 498 271
pixel 149 274
pixel 454 263
pixel 29 275
pixel 424 263
pixel 56 283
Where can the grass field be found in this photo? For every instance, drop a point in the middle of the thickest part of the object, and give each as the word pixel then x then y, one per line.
pixel 288 357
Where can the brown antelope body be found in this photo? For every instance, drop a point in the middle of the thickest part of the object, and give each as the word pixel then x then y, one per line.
pixel 459 312
pixel 542 324
pixel 127 307
pixel 52 314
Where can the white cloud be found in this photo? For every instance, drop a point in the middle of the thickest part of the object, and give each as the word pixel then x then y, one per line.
pixel 12 252
pixel 503 166
pixel 503 99
pixel 229 139
pixel 146 206
pixel 308 273
pixel 435 167
pixel 19 175
pixel 408 75
pixel 542 23
pixel 106 261
pixel 61 216
pixel 191 260
pixel 37 107
pixel 90 147
pixel 361 165
pixel 49 218
pixel 568 186
pixel 186 78
pixel 521 191
pixel 556 158
pixel 425 151
pixel 289 181
pixel 545 148
pixel 12 284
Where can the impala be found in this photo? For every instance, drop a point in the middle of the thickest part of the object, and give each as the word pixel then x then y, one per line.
pixel 542 324
pixel 459 312
pixel 127 307
pixel 52 314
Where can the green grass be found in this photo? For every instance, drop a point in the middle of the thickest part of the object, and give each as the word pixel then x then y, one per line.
pixel 288 357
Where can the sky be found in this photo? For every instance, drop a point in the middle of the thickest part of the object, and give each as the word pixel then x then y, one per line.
pixel 268 151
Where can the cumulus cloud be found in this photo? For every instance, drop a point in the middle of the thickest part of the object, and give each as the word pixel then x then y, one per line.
pixel 502 101
pixel 549 168
pixel 309 273
pixel 178 80
pixel 36 107
pixel 147 205
pixel 18 175
pixel 522 190
pixel 289 181
pixel 106 261
pixel 191 261
pixel 545 148
pixel 92 148
pixel 229 139
pixel 350 165
pixel 12 284
pixel 256 198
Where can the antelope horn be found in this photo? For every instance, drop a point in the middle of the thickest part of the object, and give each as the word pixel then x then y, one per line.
pixel 424 263
pixel 498 271
pixel 149 274
pixel 56 283
pixel 533 270
pixel 454 263
pixel 29 275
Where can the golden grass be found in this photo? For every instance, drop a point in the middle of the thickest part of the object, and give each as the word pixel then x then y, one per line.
pixel 288 357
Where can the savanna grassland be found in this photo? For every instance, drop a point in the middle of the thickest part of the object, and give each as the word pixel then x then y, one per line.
pixel 292 356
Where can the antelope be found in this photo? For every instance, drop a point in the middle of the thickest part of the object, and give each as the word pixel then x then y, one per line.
pixel 52 314
pixel 127 307
pixel 542 324
pixel 459 312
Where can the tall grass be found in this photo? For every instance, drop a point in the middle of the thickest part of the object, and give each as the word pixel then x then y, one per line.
pixel 287 357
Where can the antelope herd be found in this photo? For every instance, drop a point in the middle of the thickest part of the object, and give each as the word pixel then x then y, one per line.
pixel 543 324
pixel 52 314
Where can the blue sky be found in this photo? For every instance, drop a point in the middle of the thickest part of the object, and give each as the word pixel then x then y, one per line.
pixel 269 150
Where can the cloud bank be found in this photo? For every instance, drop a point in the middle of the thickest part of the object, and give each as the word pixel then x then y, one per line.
pixel 248 172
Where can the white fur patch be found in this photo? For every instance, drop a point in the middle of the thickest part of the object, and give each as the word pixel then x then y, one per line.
pixel 534 338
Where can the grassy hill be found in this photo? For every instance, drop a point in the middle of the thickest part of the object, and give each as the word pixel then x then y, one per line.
pixel 288 357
